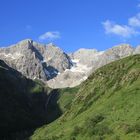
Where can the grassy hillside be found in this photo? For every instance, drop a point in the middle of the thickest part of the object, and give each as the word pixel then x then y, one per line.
pixel 26 104
pixel 60 100
pixel 21 102
pixel 106 107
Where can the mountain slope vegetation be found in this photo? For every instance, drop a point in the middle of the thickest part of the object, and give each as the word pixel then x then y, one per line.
pixel 21 102
pixel 26 104
pixel 106 106
pixel 59 102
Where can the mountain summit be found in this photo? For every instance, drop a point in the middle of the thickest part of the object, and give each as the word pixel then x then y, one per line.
pixel 50 64
pixel 34 60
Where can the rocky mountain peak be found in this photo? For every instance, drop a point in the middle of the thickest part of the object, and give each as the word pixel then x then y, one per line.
pixel 50 63
pixel 25 41
pixel 51 45
pixel 25 44
pixel 122 47
pixel 56 58
pixel 53 48
pixel 83 50
pixel 120 51
pixel 35 60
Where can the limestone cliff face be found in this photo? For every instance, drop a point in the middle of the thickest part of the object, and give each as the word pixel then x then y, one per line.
pixel 58 69
pixel 137 50
pixel 86 61
pixel 56 58
pixel 112 54
pixel 34 60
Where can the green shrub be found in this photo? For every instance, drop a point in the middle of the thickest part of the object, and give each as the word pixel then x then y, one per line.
pixel 132 128
pixel 101 130
pixel 137 128
pixel 93 121
pixel 76 131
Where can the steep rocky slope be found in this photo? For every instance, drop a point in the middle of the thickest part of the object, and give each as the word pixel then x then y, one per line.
pixel 105 107
pixel 86 61
pixel 24 58
pixel 34 60
pixel 56 68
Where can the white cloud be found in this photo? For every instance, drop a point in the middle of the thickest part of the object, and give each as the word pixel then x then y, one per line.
pixel 134 21
pixel 120 30
pixel 50 36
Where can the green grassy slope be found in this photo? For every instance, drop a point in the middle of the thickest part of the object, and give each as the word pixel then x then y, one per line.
pixel 106 106
pixel 66 96
pixel 21 102
pixel 60 100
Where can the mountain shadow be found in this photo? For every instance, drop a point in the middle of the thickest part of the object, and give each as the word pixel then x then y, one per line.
pixel 22 103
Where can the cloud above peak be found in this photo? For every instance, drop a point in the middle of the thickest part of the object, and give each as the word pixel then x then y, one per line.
pixel 51 35
pixel 134 21
pixel 116 29
pixel 131 28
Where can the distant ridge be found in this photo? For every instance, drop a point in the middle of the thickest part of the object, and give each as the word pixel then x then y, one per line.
pixel 49 63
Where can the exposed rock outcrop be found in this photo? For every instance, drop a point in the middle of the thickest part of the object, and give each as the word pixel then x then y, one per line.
pixel 49 63
pixel 34 60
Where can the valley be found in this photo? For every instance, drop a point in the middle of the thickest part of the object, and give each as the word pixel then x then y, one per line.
pixel 104 106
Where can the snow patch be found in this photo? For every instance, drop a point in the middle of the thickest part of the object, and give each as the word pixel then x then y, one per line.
pixel 75 60
pixel 78 67
pixel 43 61
pixel 85 78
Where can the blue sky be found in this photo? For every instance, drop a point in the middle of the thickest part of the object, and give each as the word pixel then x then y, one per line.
pixel 71 24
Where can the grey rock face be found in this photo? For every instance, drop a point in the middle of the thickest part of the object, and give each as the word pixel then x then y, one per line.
pixel 56 58
pixel 86 61
pixel 67 79
pixel 25 58
pixel 50 64
pixel 30 58
pixel 137 50
pixel 112 54
pixel 85 56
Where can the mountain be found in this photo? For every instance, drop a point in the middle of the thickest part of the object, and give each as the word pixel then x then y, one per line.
pixel 86 61
pixel 105 107
pixel 22 102
pixel 54 67
pixel 34 60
